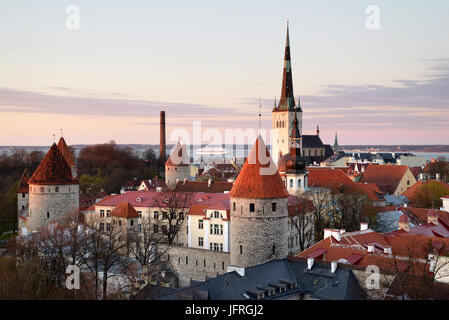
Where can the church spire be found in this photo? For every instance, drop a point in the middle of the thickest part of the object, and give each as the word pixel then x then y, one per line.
pixel 287 101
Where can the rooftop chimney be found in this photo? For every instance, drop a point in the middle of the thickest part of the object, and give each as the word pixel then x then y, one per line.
pixel 363 226
pixel 162 151
pixel 333 266
pixel 387 250
pixel 432 217
pixel 209 182
pixel 310 263
pixel 404 223
pixel 332 232
pixel 370 248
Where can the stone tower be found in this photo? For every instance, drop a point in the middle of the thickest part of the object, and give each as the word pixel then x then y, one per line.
pixel 259 213
pixel 177 166
pixel 22 194
pixel 283 113
pixel 53 191
pixel 296 173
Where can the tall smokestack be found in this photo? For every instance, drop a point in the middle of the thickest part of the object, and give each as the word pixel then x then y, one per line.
pixel 162 152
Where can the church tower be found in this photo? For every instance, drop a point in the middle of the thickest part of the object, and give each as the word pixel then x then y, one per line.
pixel 296 174
pixel 177 166
pixel 259 213
pixel 283 113
pixel 53 191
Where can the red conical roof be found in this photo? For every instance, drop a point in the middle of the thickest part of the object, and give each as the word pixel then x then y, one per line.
pixel 54 169
pixel 66 152
pixel 259 177
pixel 23 185
pixel 124 210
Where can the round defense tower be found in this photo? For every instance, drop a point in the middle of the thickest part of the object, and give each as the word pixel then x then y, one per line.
pixel 53 191
pixel 259 212
pixel 177 166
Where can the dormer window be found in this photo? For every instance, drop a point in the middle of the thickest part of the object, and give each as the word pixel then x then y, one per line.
pixel 138 199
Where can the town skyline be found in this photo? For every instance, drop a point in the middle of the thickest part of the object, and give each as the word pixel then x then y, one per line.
pixel 371 86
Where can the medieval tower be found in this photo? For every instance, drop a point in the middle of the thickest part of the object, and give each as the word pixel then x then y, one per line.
pixel 283 114
pixel 53 191
pixel 177 167
pixel 259 213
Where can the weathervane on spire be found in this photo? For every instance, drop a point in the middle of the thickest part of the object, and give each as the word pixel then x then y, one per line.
pixel 54 138
pixel 60 131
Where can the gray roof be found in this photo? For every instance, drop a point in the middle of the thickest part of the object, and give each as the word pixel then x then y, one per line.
pixel 312 141
pixel 319 283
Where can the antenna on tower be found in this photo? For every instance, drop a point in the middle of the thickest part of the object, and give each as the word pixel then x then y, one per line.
pixel 60 131
pixel 54 138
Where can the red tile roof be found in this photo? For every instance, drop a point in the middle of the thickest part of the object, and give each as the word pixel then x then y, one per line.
pixel 410 193
pixel 53 169
pixel 203 186
pixel 23 184
pixel 259 178
pixel 124 210
pixel 66 152
pixel 420 214
pixel 334 179
pixel 387 177
pixel 372 191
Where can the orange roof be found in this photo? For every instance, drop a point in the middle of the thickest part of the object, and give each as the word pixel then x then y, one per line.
pixel 203 186
pixel 124 210
pixel 387 177
pixel 23 184
pixel 421 214
pixel 372 191
pixel 66 152
pixel 178 156
pixel 259 178
pixel 334 179
pixel 53 169
pixel 410 192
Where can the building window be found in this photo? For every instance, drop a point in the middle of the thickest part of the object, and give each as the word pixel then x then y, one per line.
pixel 139 228
pixel 101 226
pixel 108 213
pixel 299 183
pixel 273 206
pixel 408 182
pixel 164 215
pixel 221 229
pixel 241 249
pixel 23 207
pixel 251 207
pixel 140 214
pixel 200 224
pixel 222 265
pixel 155 229
pixel 101 213
pixel 187 260
pixel 233 206
pixel 217 214
pixel 56 189
pixel 200 241
pixel 216 230
pixel 164 229
pixel 120 222
pixel 211 245
pixel 291 183
pixel 108 227
pixel 221 246
pixel 42 189
pixel 48 215
pixel 132 222
pixel 156 215
pixel 274 249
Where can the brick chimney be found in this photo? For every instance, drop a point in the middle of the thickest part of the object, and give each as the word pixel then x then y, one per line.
pixel 432 217
pixel 162 146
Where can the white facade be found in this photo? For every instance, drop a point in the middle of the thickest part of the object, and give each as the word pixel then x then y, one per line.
pixel 282 124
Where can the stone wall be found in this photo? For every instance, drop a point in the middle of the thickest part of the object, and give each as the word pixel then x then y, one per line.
pixel 255 235
pixel 196 264
pixel 57 204
pixel 174 173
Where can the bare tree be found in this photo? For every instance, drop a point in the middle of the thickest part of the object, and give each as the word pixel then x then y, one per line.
pixel 320 198
pixel 172 205
pixel 302 218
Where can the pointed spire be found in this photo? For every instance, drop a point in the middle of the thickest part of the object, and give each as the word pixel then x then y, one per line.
pixel 54 169
pixel 23 184
pixel 287 101
pixel 256 180
pixel 62 145
pixel 317 130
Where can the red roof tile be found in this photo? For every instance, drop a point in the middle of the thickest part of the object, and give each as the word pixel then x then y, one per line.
pixel 334 179
pixel 387 177
pixel 410 193
pixel 203 186
pixel 23 184
pixel 372 191
pixel 259 178
pixel 124 210
pixel 53 169
pixel 66 152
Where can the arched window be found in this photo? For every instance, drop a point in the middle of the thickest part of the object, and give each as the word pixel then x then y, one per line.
pixel 299 183
pixel 291 183
pixel 274 249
